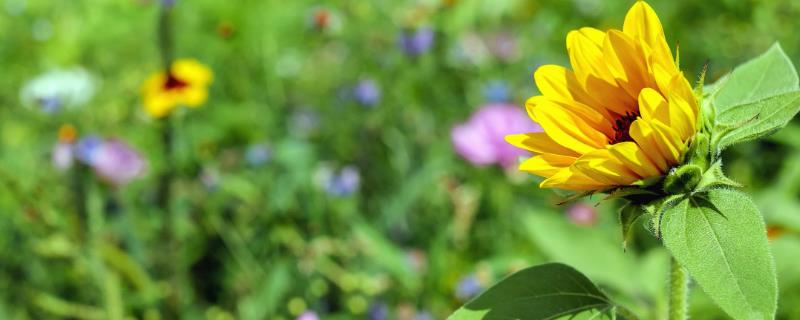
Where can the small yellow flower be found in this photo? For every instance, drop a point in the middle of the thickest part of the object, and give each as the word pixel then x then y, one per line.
pixel 625 113
pixel 186 84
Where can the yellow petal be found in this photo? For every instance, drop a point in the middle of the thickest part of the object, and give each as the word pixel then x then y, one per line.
pixel 538 142
pixel 586 55
pixel 642 22
pixel 546 165
pixel 569 179
pixel 192 71
pixel 558 83
pixel 670 142
pixel 645 136
pixel 635 159
pixel 602 166
pixel 598 121
pixel 568 130
pixel 652 106
pixel 626 62
pixel 681 118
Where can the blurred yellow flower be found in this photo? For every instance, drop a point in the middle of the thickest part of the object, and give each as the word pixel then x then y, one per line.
pixel 186 84
pixel 625 112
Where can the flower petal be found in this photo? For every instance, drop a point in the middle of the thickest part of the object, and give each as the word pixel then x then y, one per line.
pixel 604 167
pixel 546 165
pixel 539 142
pixel 570 179
pixel 643 23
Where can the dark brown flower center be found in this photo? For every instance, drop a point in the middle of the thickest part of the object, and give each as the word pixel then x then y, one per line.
pixel 173 83
pixel 622 127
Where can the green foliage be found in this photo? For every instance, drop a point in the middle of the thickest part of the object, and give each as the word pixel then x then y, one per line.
pixel 756 99
pixel 721 240
pixel 547 291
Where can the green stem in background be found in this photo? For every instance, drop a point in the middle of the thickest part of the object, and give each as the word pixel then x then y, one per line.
pixel 678 291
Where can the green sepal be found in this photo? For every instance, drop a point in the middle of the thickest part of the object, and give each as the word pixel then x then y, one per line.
pixel 714 178
pixel 683 179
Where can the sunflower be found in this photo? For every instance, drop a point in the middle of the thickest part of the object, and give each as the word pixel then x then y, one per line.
pixel 624 114
pixel 186 84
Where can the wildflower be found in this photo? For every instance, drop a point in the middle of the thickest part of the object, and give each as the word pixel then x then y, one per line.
pixel 325 20
pixel 582 214
pixel 480 139
pixel 117 163
pixel 343 183
pixel 625 113
pixel 378 311
pixel 468 287
pixel 308 315
pixel 63 156
pixel 417 42
pixel 367 93
pixel 86 149
pixel 503 46
pixel 186 84
pixel 257 154
pixel 496 91
pixel 58 89
pixel 303 122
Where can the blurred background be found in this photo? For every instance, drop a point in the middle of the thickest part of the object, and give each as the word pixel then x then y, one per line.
pixel 348 163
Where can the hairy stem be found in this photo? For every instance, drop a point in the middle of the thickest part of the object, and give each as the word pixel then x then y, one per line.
pixel 678 292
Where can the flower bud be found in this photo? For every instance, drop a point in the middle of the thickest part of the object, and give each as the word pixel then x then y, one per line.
pixel 683 179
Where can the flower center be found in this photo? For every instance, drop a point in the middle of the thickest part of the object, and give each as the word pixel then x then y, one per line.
pixel 622 127
pixel 173 83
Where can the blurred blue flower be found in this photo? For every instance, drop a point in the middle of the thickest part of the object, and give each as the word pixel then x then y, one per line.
pixel 423 315
pixel 86 149
pixel 378 311
pixel 367 92
pixel 496 91
pixel 257 154
pixel 468 287
pixel 303 122
pixel 168 3
pixel 343 183
pixel 417 42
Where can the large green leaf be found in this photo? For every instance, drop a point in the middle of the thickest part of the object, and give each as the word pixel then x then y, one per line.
pixel 758 119
pixel 756 99
pixel 721 239
pixel 548 291
pixel 768 75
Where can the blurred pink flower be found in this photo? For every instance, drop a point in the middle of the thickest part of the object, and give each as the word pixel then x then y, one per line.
pixel 308 315
pixel 481 140
pixel 117 163
pixel 582 214
pixel 63 156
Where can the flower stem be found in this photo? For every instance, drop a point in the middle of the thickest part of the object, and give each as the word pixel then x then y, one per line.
pixel 678 291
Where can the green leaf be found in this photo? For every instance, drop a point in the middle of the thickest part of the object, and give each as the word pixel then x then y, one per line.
pixel 721 240
pixel 757 119
pixel 547 291
pixel 768 75
pixel 628 214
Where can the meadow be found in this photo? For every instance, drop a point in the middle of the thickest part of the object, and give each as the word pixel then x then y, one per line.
pixel 342 164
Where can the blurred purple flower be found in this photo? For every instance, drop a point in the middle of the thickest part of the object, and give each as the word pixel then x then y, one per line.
pixel 582 214
pixel 168 3
pixel 63 155
pixel 468 287
pixel 308 315
pixel 417 42
pixel 378 311
pixel 257 154
pixel 117 163
pixel 496 91
pixel 481 140
pixel 367 92
pixel 86 149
